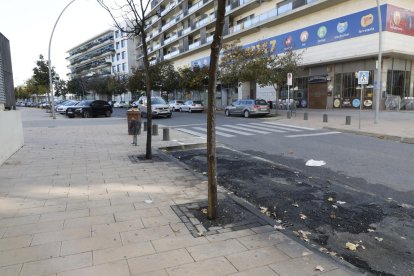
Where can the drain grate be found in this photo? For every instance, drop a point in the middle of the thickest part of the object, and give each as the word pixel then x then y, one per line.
pixel 142 159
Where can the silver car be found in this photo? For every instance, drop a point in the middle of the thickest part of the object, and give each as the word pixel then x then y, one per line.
pixel 247 108
pixel 175 105
pixel 158 105
pixel 192 106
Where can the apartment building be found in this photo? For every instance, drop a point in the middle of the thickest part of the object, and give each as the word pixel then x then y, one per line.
pixel 7 99
pixel 336 38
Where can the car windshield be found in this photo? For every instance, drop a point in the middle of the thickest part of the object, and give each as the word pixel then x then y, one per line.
pixel 180 102
pixel 198 102
pixel 69 103
pixel 157 100
pixel 84 103
pixel 261 102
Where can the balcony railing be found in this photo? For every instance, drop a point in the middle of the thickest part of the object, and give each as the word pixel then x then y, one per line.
pixel 254 21
pixel 195 7
pixel 172 54
pixel 194 45
pixel 171 38
pixel 210 38
pixel 186 30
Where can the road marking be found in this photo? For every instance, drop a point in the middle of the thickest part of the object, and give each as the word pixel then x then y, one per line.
pixel 263 127
pixel 188 125
pixel 243 127
pixel 284 125
pixel 234 131
pixel 313 134
pixel 217 132
pixel 191 132
pixel 280 127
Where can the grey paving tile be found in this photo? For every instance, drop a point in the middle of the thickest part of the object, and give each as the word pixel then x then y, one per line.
pixel 293 249
pixel 61 235
pixel 119 268
pixel 33 228
pixel 12 270
pixel 117 227
pixel 263 240
pixel 122 252
pixel 257 271
pixel 142 213
pixel 146 234
pixel 230 235
pixel 216 249
pixel 213 267
pixel 171 243
pixel 15 242
pixel 89 244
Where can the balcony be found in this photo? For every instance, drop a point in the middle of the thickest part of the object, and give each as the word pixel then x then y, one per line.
pixel 210 38
pixel 172 54
pixel 194 45
pixel 195 7
pixel 254 21
pixel 152 62
pixel 171 38
pixel 186 30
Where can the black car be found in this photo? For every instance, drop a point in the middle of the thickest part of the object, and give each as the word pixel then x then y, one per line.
pixel 90 108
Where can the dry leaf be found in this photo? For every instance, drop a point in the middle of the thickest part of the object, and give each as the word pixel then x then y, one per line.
pixel 379 239
pixel 268 214
pixel 363 247
pixel 319 267
pixel 351 246
pixel 278 221
pixel 332 215
pixel 340 202
pixel 330 199
pixel 371 230
pixel 295 204
pixel 263 209
pixel 302 216
pixel 334 206
pixel 279 227
pixel 204 211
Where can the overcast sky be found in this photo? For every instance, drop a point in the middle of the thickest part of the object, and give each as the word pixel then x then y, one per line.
pixel 27 24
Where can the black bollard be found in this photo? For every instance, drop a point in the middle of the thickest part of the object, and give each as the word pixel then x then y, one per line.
pixel 325 118
pixel 305 116
pixel 289 114
pixel 135 126
pixel 347 120
pixel 145 126
pixel 155 130
pixel 166 134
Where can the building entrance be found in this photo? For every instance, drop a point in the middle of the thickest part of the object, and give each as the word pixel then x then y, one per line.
pixel 317 95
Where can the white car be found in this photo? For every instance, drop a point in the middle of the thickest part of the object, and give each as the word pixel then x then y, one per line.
pixel 62 107
pixel 175 105
pixel 158 105
pixel 192 106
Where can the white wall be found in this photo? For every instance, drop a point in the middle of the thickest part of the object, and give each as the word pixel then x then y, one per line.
pixel 11 134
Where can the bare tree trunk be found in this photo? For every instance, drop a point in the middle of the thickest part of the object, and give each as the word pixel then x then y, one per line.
pixel 148 153
pixel 211 108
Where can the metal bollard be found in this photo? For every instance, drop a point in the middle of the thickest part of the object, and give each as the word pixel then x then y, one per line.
pixel 145 126
pixel 325 118
pixel 135 128
pixel 155 130
pixel 347 120
pixel 289 114
pixel 166 134
pixel 305 116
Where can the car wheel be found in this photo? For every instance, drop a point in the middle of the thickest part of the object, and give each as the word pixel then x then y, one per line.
pixel 108 113
pixel 246 113
pixel 86 114
pixel 181 110
pixel 227 113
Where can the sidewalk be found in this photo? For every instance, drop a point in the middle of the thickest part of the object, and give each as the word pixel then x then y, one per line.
pixel 392 125
pixel 73 203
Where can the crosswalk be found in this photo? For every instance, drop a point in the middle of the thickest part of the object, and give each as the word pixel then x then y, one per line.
pixel 251 129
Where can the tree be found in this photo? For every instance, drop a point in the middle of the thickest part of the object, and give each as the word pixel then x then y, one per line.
pixel 165 77
pixel 61 88
pixel 135 17
pixel 41 76
pixel 278 66
pixel 77 87
pixel 193 78
pixel 211 107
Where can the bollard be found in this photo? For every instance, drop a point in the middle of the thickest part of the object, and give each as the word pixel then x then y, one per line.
pixel 305 116
pixel 289 114
pixel 325 118
pixel 135 128
pixel 145 126
pixel 347 120
pixel 155 130
pixel 166 134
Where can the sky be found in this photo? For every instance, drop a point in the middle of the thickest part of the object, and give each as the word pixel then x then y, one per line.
pixel 28 24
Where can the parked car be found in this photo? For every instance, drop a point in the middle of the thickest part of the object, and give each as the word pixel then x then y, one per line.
pixel 63 107
pixel 121 104
pixel 90 108
pixel 192 106
pixel 247 108
pixel 158 105
pixel 175 105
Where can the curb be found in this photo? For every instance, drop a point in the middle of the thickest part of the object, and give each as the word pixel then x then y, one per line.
pixel 406 140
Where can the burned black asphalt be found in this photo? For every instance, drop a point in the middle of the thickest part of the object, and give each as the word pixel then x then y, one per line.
pixel 333 207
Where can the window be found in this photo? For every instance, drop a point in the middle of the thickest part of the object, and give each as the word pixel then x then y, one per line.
pixel 124 67
pixel 113 58
pixel 116 34
pixel 117 45
pixel 123 55
pixel 284 7
pixel 117 56
pixel 118 67
pixel 122 43
pixel 398 83
pixel 113 69
pixel 346 84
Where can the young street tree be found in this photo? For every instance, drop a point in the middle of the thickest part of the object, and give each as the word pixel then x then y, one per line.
pixel 211 107
pixel 41 76
pixel 132 18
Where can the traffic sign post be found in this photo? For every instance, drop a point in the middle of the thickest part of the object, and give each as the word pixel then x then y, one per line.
pixel 363 77
pixel 289 83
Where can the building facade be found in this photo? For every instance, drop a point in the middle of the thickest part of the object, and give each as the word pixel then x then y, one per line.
pixel 337 38
pixel 7 98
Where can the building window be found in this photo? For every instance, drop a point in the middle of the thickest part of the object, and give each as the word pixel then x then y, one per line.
pixel 116 34
pixel 124 67
pixel 117 45
pixel 113 58
pixel 122 43
pixel 346 85
pixel 118 67
pixel 114 69
pixel 284 7
pixel 117 57
pixel 123 55
pixel 398 83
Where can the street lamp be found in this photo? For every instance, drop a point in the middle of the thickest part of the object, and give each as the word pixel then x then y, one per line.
pixel 50 63
pixel 379 72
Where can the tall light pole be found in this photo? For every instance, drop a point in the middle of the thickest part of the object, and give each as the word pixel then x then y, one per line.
pixel 379 69
pixel 50 63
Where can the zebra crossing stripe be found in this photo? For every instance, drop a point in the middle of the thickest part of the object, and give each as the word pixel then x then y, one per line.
pixel 278 127
pixel 217 132
pixel 191 132
pixel 234 131
pixel 263 127
pixel 284 125
pixel 313 134
pixel 243 127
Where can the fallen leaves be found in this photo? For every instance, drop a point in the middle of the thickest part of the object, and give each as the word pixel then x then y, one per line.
pixel 302 216
pixel 204 210
pixel 148 201
pixel 351 246
pixel 279 227
pixel 379 239
pixel 319 268
pixel 302 234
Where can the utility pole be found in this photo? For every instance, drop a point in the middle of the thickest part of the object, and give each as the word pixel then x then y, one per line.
pixel 379 69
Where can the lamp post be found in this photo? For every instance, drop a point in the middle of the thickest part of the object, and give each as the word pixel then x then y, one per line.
pixel 50 63
pixel 379 69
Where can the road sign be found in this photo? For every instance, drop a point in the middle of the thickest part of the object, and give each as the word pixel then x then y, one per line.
pixel 363 77
pixel 289 79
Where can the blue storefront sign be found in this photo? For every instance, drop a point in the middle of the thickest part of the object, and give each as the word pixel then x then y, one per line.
pixel 350 26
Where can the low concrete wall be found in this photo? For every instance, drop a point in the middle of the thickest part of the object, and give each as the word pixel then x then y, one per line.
pixel 11 133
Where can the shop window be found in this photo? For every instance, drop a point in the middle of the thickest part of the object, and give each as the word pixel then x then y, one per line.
pixel 398 83
pixel 346 84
